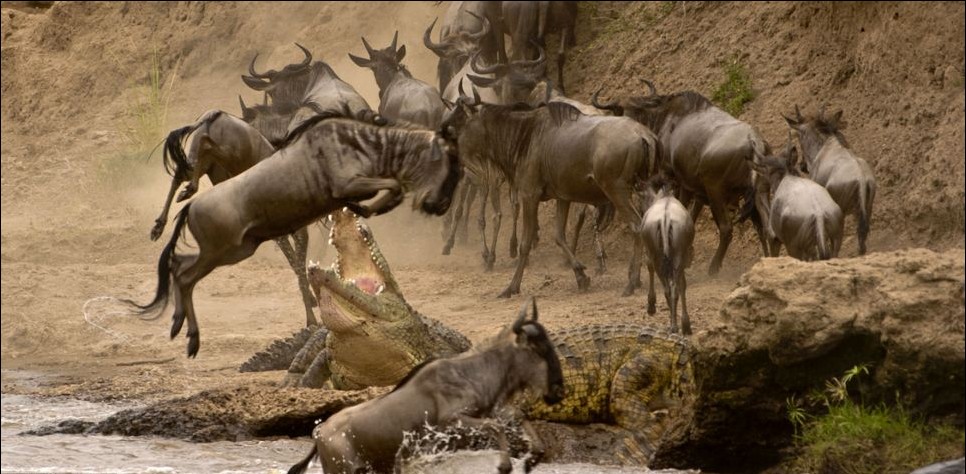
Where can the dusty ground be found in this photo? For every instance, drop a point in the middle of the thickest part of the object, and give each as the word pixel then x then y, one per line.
pixel 77 204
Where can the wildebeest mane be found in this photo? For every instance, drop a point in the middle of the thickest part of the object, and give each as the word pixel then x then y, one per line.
pixel 653 110
pixel 312 121
pixel 562 111
pixel 412 373
pixel 827 127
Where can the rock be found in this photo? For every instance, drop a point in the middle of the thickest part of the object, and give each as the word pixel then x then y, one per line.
pixel 790 326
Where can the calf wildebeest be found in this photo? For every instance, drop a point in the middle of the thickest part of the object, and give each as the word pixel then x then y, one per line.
pixel 669 239
pixel 831 163
pixel 223 146
pixel 329 162
pixel 467 27
pixel 528 22
pixel 463 389
pixel 555 152
pixel 401 96
pixel 803 215
pixel 707 150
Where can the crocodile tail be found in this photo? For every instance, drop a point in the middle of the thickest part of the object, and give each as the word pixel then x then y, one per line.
pixel 303 465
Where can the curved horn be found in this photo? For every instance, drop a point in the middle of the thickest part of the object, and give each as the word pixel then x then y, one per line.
pixel 594 101
pixel 437 48
pixel 251 70
pixel 395 37
pixel 541 57
pixel 485 30
pixel 308 57
pixel 496 69
pixel 368 48
pixel 476 96
pixel 521 318
pixel 533 304
pixel 651 88
pixel 242 102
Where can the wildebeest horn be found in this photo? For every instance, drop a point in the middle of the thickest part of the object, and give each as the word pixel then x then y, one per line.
pixel 308 57
pixel 594 101
pixel 521 318
pixel 650 86
pixel 368 48
pixel 476 96
pixel 437 48
pixel 485 30
pixel 251 70
pixel 533 301
pixel 541 57
pixel 242 102
pixel 264 99
pixel 496 69
pixel 395 36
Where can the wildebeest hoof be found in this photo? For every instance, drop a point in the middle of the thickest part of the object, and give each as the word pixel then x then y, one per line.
pixel 714 268
pixel 601 270
pixel 194 343
pixel 187 193
pixel 583 282
pixel 628 290
pixel 505 467
pixel 651 308
pixel 508 292
pixel 157 229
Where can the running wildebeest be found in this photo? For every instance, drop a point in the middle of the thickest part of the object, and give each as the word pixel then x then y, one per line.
pixel 329 162
pixel 803 215
pixel 529 22
pixel 830 162
pixel 555 152
pixel 401 96
pixel 669 239
pixel 707 151
pixel 223 146
pixel 462 389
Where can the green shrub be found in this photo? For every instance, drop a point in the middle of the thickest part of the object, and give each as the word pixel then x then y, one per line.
pixel 735 91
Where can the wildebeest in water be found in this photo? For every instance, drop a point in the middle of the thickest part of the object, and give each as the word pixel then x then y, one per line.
pixel 330 162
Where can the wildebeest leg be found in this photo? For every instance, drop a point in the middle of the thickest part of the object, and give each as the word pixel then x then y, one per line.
pixel 578 226
pixel 453 219
pixel 473 188
pixel 363 187
pixel 162 220
pixel 496 431
pixel 651 298
pixel 381 205
pixel 515 204
pixel 296 261
pixel 761 218
pixel 537 448
pixel 563 211
pixel 620 196
pixel 481 222
pixel 530 205
pixel 720 213
pixel 682 292
pixel 202 161
pixel 565 39
pixel 599 244
pixel 497 221
pixel 670 296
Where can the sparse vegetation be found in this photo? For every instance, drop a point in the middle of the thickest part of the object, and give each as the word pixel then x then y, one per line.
pixel 853 437
pixel 735 91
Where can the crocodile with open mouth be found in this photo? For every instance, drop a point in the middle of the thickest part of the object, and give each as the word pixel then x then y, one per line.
pixel 370 334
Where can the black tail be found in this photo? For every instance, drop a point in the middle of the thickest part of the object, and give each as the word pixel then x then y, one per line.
pixel 749 209
pixel 164 269
pixel 304 464
pixel 175 161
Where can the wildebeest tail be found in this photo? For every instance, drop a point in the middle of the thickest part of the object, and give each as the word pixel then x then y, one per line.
pixel 175 160
pixel 304 464
pixel 164 268
pixel 821 239
pixel 866 194
pixel 605 215
pixel 667 261
pixel 749 209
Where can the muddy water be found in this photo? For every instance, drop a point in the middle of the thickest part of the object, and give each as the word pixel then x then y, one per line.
pixel 97 454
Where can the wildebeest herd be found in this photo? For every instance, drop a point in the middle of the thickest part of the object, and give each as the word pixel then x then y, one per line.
pixel 653 161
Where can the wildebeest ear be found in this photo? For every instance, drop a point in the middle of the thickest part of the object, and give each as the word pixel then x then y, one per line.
pixel 791 122
pixel 791 160
pixel 360 61
pixel 401 53
pixel 837 119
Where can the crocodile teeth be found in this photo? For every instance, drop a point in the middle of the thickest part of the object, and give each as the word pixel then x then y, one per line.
pixel 331 241
pixel 380 289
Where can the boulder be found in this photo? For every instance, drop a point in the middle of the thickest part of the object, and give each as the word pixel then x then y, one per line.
pixel 790 326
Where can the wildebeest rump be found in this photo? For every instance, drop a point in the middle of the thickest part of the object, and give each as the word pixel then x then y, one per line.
pixel 831 163
pixel 223 146
pixel 668 237
pixel 554 152
pixel 331 162
pixel 463 389
pixel 401 96
pixel 707 150
pixel 803 215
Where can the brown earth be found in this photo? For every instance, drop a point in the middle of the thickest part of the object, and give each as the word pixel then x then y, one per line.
pixel 77 204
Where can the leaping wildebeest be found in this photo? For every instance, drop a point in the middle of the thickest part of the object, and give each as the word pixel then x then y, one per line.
pixel 707 151
pixel 669 239
pixel 830 162
pixel 401 96
pixel 803 215
pixel 462 389
pixel 555 152
pixel 329 162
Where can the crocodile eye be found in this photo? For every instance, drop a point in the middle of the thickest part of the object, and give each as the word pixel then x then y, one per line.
pixel 365 233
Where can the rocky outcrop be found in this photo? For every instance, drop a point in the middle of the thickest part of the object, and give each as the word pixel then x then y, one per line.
pixel 790 326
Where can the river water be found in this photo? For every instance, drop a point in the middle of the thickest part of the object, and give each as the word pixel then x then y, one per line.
pixel 97 454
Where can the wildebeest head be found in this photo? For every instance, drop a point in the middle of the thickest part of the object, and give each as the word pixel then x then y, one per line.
pixel 455 49
pixel 813 131
pixel 271 121
pixel 385 63
pixel 775 168
pixel 515 80
pixel 539 356
pixel 286 86
pixel 654 109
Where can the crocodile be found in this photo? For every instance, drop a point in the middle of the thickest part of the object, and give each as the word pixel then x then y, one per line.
pixel 370 335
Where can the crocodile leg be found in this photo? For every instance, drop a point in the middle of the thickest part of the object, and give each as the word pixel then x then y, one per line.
pixel 305 358
pixel 319 372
